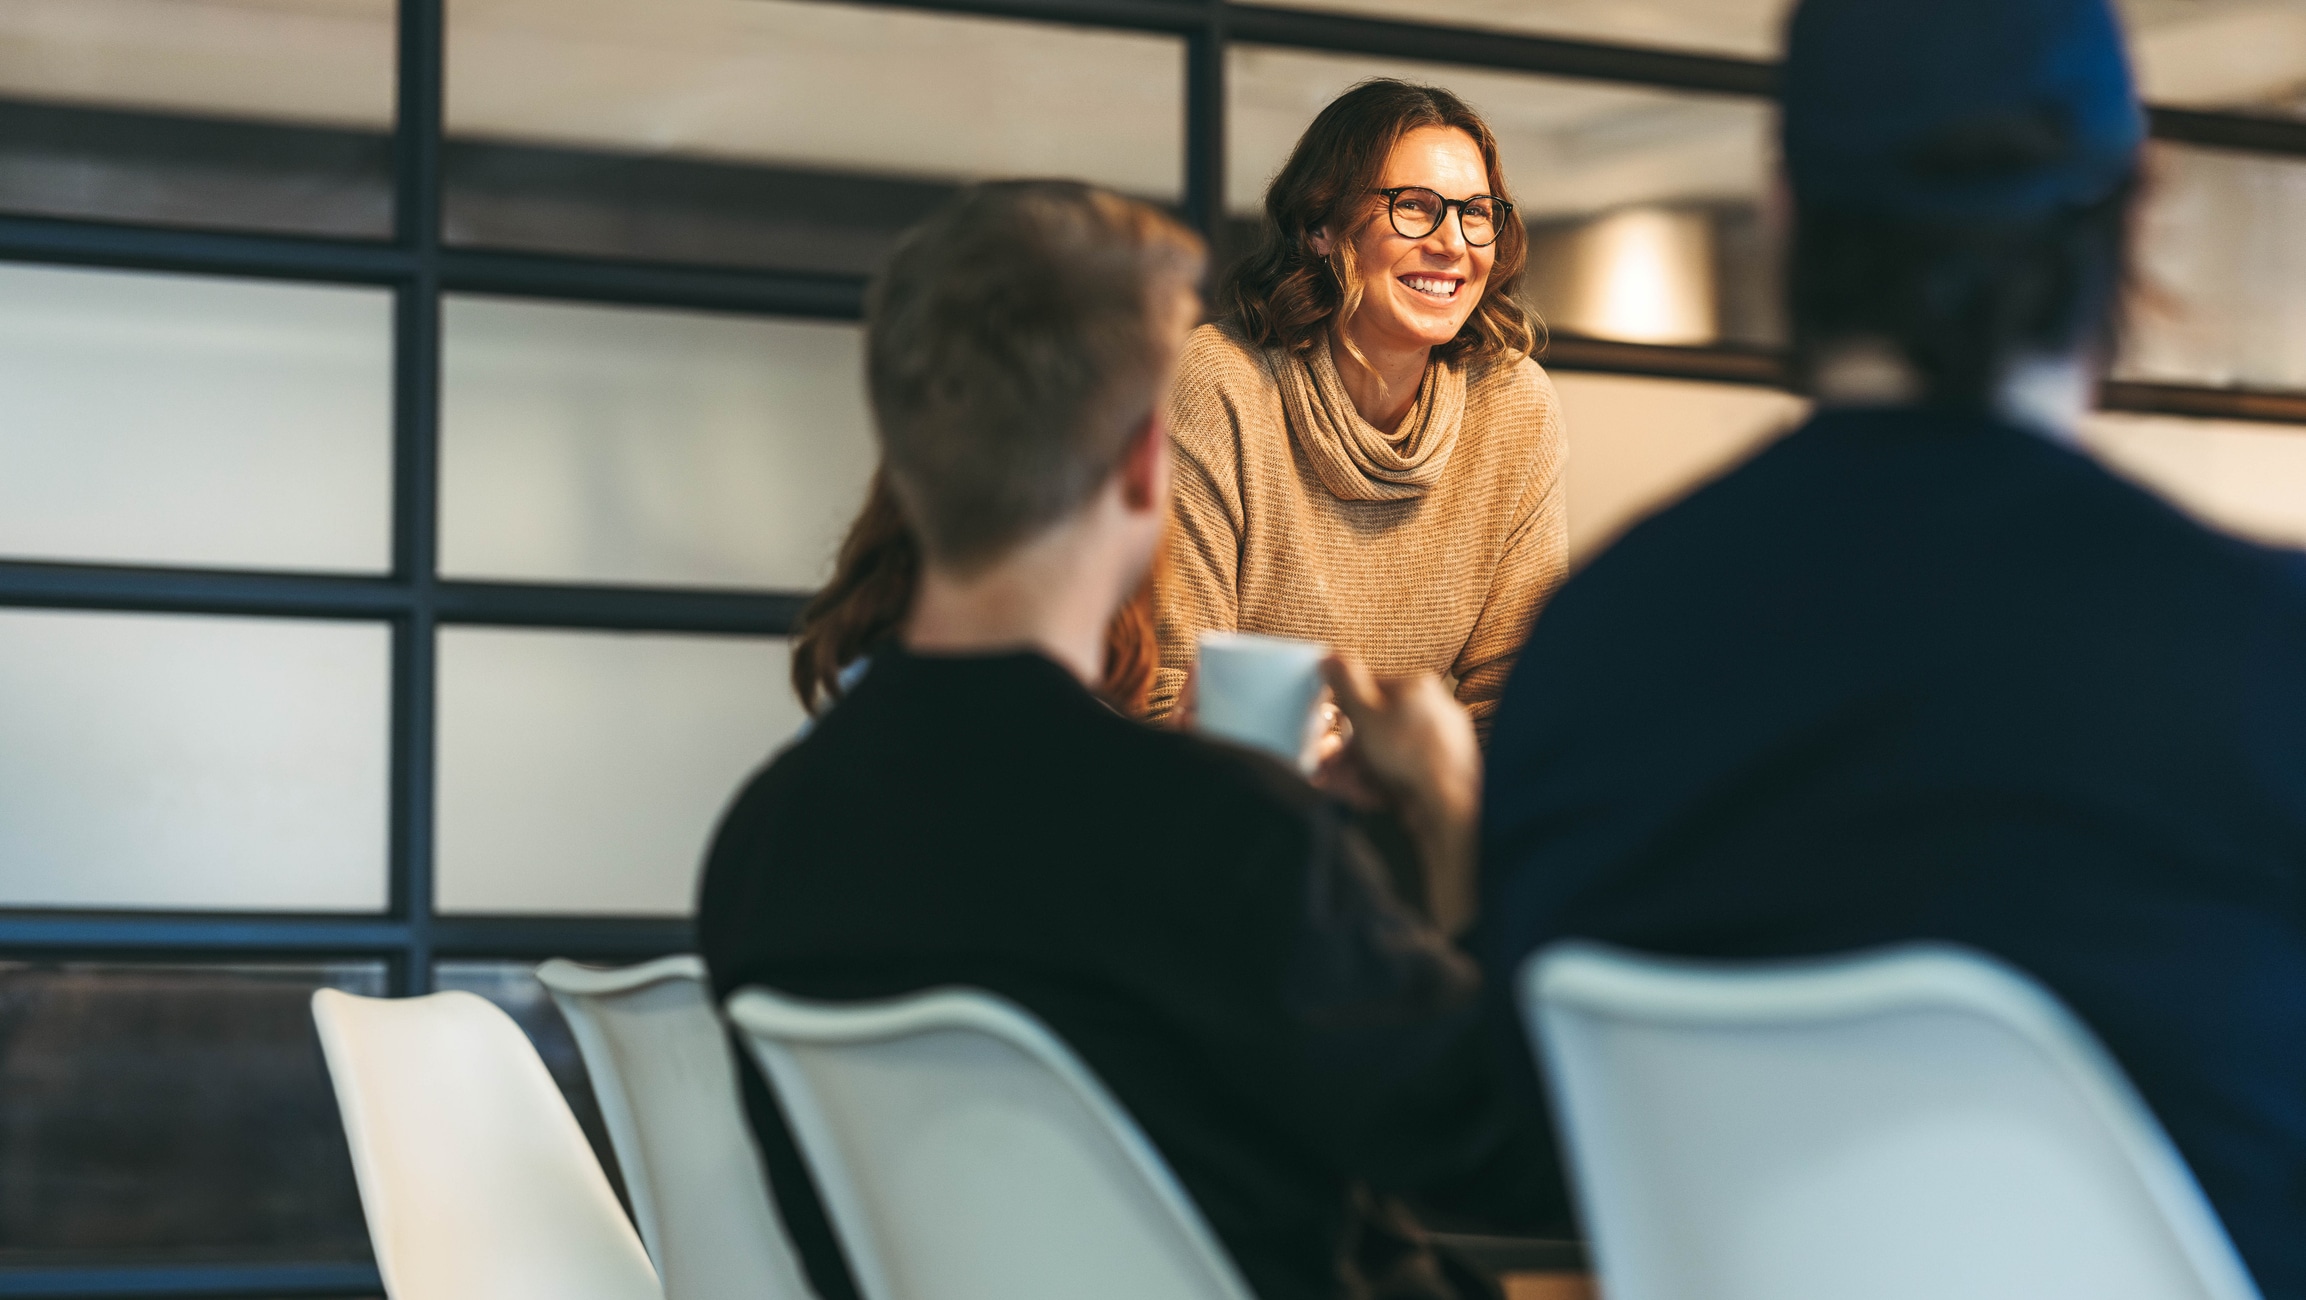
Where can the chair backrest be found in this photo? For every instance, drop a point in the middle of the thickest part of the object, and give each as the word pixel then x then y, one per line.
pixel 664 1072
pixel 1919 1122
pixel 475 1179
pixel 965 1154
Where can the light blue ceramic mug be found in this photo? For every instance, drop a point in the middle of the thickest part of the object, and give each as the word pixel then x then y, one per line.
pixel 1260 691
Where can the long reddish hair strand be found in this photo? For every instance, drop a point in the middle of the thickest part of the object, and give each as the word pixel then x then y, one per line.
pixel 864 606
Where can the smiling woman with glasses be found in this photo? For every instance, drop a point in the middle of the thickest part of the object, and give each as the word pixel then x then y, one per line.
pixel 1366 455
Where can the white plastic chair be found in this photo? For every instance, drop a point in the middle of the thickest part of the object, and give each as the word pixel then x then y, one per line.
pixel 662 1068
pixel 1919 1123
pixel 475 1179
pixel 965 1154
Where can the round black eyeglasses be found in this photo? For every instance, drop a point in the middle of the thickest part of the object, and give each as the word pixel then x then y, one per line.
pixel 1418 212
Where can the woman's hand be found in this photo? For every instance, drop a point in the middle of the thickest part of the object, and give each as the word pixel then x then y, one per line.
pixel 1413 749
pixel 1182 714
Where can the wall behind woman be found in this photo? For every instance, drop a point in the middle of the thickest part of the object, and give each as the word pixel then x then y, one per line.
pixel 1637 445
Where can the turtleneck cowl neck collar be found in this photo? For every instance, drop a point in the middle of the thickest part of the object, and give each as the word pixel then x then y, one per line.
pixel 1353 459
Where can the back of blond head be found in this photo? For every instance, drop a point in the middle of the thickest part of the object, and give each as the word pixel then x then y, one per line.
pixel 1014 343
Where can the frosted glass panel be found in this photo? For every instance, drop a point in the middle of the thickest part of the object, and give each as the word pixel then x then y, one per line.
pixel 154 761
pixel 2244 56
pixel 1752 29
pixel 192 421
pixel 313 61
pixel 2248 55
pixel 2221 269
pixel 776 132
pixel 584 772
pixel 1570 148
pixel 271 115
pixel 603 444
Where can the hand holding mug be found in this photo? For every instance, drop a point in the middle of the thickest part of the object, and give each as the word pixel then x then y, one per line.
pixel 1414 749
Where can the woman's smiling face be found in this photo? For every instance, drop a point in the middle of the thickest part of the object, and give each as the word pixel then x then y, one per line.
pixel 1417 293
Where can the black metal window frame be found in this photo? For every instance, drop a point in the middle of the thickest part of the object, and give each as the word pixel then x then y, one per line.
pixel 414 601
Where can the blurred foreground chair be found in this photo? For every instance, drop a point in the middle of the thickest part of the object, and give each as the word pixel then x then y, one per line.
pixel 663 1069
pixel 475 1179
pixel 1922 1122
pixel 965 1154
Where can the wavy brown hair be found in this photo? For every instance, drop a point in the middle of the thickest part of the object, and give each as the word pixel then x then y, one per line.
pixel 1284 294
pixel 864 606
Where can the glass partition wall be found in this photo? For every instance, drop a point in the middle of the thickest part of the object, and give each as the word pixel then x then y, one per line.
pixel 420 424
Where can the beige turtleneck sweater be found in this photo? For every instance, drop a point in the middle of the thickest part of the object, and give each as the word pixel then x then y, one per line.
pixel 1426 551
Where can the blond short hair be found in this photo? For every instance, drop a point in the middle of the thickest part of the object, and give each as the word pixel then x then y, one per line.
pixel 1013 344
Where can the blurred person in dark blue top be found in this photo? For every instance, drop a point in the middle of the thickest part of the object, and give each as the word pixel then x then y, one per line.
pixel 1921 669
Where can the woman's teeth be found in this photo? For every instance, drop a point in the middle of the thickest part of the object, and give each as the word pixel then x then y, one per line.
pixel 1434 286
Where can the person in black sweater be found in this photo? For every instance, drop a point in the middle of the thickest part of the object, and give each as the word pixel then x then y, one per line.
pixel 1922 670
pixel 1207 931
